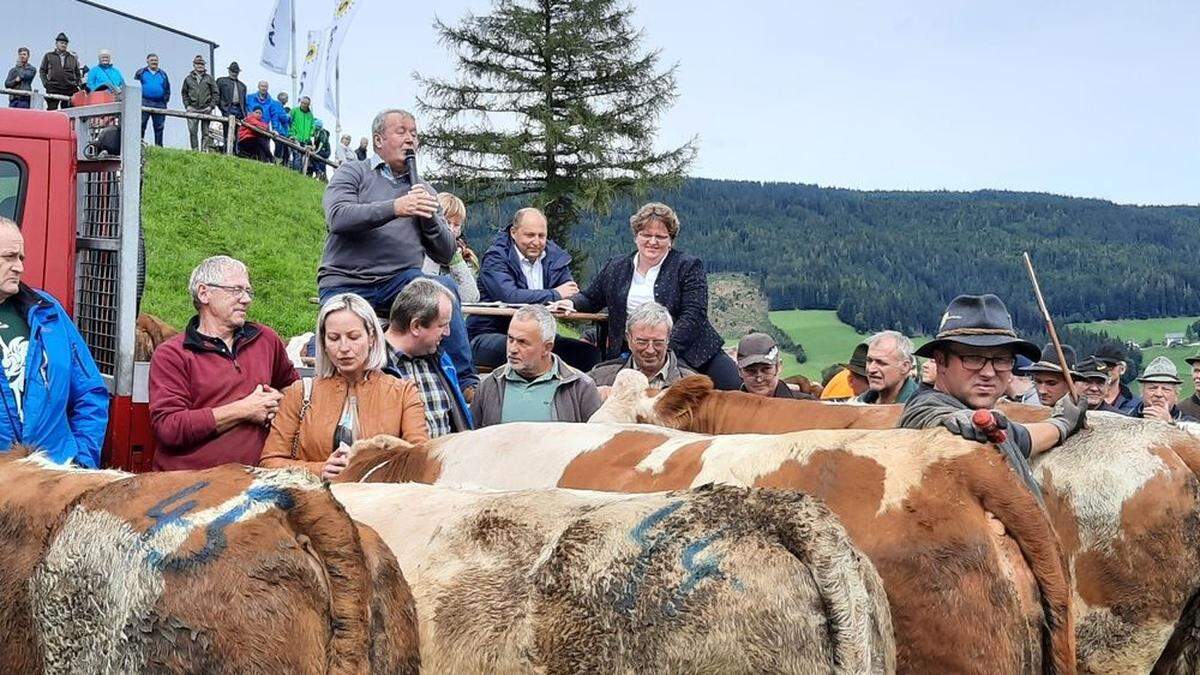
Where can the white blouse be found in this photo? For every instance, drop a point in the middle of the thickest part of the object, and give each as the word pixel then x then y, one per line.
pixel 641 289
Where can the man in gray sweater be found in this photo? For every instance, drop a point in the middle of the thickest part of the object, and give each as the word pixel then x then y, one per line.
pixel 381 228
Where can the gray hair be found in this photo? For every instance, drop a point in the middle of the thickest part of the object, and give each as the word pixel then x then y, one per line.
pixel 380 122
pixel 519 216
pixel 419 301
pixel 213 271
pixel 376 357
pixel 546 323
pixel 649 314
pixel 903 344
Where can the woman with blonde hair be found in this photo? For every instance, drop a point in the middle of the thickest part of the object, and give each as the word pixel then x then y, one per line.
pixel 465 264
pixel 350 399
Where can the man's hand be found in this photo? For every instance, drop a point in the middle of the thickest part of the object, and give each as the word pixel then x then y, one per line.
pixel 962 424
pixel 260 405
pixel 338 461
pixel 1157 411
pixel 418 203
pixel 561 307
pixel 1069 416
pixel 567 290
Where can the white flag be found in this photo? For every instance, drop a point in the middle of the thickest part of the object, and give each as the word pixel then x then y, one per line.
pixel 343 14
pixel 310 67
pixel 277 46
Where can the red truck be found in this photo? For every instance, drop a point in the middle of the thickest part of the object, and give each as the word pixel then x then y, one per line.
pixel 80 217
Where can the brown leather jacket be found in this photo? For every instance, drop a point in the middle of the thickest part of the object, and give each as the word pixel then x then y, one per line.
pixel 386 405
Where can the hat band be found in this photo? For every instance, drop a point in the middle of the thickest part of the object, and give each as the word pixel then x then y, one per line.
pixel 976 331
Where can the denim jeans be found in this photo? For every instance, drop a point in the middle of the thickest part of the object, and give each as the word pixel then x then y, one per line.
pixel 159 120
pixel 382 294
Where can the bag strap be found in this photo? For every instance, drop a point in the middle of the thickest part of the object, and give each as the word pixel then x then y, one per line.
pixel 308 386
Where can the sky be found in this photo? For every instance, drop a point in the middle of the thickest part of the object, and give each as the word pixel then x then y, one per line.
pixel 1089 98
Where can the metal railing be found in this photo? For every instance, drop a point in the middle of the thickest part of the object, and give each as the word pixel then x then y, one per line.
pixel 38 102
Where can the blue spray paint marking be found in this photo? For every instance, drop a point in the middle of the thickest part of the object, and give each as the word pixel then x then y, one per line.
pixel 215 541
pixel 650 545
pixel 638 533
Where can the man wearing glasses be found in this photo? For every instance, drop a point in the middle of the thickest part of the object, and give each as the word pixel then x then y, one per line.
pixel 215 388
pixel 759 363
pixel 975 350
pixel 648 333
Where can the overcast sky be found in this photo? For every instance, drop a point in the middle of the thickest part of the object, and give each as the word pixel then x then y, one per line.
pixel 1086 98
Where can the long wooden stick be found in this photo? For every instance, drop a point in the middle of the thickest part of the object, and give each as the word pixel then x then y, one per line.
pixel 1062 360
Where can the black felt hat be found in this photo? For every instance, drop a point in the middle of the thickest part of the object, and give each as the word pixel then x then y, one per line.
pixel 1048 361
pixel 978 321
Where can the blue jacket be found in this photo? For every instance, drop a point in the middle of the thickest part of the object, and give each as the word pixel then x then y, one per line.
pixel 281 120
pixel 267 107
pixel 501 280
pixel 65 402
pixel 155 86
pixel 450 373
pixel 104 77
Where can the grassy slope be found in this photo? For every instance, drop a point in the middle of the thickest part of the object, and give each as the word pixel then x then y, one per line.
pixel 826 340
pixel 1154 329
pixel 197 205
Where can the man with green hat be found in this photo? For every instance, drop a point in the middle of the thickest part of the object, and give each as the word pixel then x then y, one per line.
pixel 1092 382
pixel 975 350
pixel 1160 393
pixel 1048 376
pixel 1190 406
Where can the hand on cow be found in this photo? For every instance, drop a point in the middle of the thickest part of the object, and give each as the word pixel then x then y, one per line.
pixel 338 461
pixel 566 290
pixel 418 203
pixel 1069 416
pixel 260 405
pixel 962 424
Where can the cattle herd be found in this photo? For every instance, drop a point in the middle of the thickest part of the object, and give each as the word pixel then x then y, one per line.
pixel 687 530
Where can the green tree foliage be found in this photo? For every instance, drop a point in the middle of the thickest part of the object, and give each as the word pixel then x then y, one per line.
pixel 554 101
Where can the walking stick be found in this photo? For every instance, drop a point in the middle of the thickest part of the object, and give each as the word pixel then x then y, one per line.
pixel 1062 360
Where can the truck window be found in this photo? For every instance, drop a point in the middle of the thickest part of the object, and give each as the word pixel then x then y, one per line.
pixel 12 176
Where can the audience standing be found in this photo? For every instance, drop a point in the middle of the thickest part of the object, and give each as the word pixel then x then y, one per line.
pixel 320 145
pixel 156 93
pixel 105 76
pixel 343 152
pixel 60 73
pixel 350 399
pixel 215 387
pixel 302 128
pixel 199 96
pixel 1048 376
pixel 20 77
pixel 231 96
pixel 281 123
pixel 1117 394
pixel 535 385
pixel 889 369
pixel 760 363
pixel 1160 393
pixel 363 149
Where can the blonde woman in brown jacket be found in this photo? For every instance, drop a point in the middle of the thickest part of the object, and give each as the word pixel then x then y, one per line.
pixel 351 398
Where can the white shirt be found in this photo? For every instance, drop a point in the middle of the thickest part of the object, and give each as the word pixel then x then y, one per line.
pixel 641 289
pixel 532 271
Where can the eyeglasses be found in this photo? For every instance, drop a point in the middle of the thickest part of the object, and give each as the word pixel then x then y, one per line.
pixel 642 343
pixel 1001 364
pixel 234 290
pixel 758 373
pixel 659 238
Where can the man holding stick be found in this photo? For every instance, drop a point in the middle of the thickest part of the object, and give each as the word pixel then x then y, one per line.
pixel 975 350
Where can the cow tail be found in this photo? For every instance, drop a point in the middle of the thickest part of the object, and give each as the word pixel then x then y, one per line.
pixel 335 542
pixel 1029 526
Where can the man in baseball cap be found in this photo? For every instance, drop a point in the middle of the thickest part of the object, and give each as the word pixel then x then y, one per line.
pixel 759 360
pixel 975 350
pixel 1092 381
pixel 1117 394
pixel 1160 393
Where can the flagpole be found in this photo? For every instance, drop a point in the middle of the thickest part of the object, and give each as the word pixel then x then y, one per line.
pixel 337 95
pixel 295 62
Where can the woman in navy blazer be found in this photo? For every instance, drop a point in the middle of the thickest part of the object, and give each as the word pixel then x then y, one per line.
pixel 676 280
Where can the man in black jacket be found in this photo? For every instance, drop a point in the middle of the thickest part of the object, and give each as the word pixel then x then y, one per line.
pixel 60 73
pixel 231 95
pixel 20 77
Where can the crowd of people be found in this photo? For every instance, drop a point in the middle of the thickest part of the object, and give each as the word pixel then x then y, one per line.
pixel 62 74
pixel 394 355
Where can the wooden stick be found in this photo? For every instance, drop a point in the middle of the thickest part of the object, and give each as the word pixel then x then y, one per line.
pixel 1062 360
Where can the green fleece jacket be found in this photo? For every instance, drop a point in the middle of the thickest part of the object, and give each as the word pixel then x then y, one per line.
pixel 302 125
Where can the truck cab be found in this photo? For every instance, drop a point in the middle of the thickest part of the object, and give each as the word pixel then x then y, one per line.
pixel 79 213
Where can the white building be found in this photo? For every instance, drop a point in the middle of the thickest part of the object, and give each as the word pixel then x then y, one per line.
pixel 92 27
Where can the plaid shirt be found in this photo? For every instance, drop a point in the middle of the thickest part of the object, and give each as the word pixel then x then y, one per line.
pixel 437 401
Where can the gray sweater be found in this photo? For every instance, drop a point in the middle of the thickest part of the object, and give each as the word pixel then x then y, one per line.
pixel 367 243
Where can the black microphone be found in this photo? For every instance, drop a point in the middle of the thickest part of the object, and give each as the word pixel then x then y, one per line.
pixel 410 163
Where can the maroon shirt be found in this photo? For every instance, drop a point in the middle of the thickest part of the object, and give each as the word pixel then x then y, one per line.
pixel 191 374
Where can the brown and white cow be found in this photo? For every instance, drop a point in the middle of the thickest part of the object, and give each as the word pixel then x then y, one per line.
pixel 718 580
pixel 1123 496
pixel 974 574
pixel 231 569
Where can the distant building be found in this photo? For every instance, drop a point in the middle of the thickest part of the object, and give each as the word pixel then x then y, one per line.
pixel 92 27
pixel 1173 340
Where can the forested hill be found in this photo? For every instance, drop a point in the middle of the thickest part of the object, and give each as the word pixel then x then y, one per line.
pixel 894 259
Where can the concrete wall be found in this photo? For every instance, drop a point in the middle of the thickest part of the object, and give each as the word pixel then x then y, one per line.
pixel 34 23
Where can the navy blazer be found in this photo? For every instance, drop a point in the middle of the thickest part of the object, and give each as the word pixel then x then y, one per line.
pixel 501 279
pixel 681 287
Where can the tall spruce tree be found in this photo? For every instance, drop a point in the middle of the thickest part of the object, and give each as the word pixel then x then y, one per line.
pixel 553 99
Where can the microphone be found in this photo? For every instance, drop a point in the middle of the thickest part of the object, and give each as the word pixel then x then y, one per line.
pixel 410 163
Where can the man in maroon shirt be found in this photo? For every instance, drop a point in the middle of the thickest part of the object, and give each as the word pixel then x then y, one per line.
pixel 215 388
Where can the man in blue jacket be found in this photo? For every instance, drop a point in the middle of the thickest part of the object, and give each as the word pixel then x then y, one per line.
pixel 51 395
pixel 281 124
pixel 523 267
pixel 156 93
pixel 419 319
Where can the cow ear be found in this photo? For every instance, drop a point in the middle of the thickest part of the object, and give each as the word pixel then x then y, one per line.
pixel 682 399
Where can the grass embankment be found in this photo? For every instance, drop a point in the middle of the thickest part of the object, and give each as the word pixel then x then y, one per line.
pixel 196 205
pixel 826 339
pixel 1140 330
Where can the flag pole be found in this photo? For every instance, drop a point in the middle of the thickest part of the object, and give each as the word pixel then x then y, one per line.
pixel 295 62
pixel 337 95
